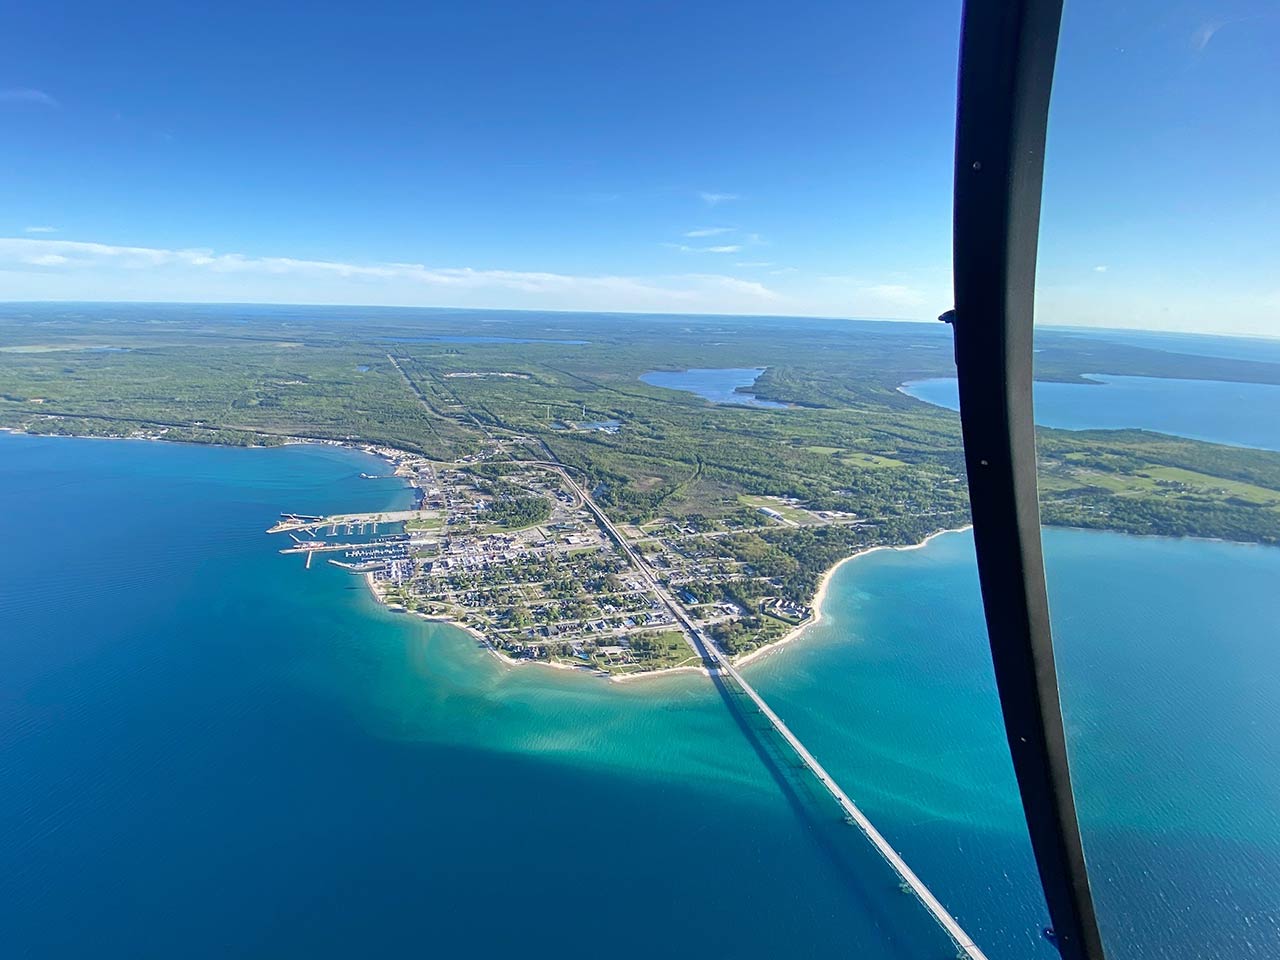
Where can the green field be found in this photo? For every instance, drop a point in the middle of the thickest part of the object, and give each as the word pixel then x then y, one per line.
pixel 849 440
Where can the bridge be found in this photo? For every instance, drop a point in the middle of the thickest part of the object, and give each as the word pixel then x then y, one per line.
pixel 711 654
pixel 852 813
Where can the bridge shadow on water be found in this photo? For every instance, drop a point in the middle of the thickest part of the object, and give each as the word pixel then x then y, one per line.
pixel 899 924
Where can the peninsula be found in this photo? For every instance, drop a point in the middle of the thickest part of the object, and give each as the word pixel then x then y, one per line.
pixel 571 512
pixel 518 553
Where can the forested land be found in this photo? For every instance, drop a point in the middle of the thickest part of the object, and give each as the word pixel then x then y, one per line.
pixel 849 440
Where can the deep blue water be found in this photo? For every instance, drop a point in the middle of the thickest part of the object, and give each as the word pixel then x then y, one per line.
pixel 1240 414
pixel 719 385
pixel 207 751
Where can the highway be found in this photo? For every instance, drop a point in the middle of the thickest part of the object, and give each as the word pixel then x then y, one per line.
pixel 704 646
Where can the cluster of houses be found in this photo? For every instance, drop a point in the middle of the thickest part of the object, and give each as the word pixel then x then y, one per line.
pixel 787 609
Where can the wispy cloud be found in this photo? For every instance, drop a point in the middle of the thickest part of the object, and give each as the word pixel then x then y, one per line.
pixel 708 232
pixel 714 199
pixel 720 248
pixel 1100 268
pixel 190 268
pixel 752 288
pixel 1201 36
pixel 880 296
pixel 41 229
pixel 28 95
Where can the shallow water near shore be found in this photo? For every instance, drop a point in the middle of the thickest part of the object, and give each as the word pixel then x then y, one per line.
pixel 207 750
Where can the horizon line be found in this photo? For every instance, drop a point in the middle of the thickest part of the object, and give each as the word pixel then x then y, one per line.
pixel 623 313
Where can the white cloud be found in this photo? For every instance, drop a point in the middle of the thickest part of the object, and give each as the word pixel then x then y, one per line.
pixel 72 269
pixel 733 284
pixel 1201 36
pixel 1100 268
pixel 685 248
pixel 41 229
pixel 879 297
pixel 28 95
pixel 713 199
pixel 708 232
pixel 896 294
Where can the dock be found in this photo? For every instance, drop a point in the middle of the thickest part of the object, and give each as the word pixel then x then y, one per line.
pixel 349 522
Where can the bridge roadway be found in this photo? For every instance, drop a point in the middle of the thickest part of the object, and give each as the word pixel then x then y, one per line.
pixel 907 875
pixel 708 650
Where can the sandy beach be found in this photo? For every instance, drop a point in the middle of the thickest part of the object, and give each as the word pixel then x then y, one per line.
pixel 666 671
pixel 488 645
pixel 821 595
pixel 819 598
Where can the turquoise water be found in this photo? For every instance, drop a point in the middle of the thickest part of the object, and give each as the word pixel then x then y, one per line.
pixel 206 750
pixel 1240 414
pixel 1168 663
pixel 717 384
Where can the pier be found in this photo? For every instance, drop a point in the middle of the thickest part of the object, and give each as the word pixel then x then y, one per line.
pixel 349 522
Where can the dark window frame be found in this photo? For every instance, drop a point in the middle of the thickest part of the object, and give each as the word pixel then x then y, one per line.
pixel 1008 48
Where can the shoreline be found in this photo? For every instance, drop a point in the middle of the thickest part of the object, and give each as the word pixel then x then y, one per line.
pixel 390 455
pixel 795 633
pixel 379 450
pixel 386 454
pixel 665 671
pixel 467 628
pixel 820 595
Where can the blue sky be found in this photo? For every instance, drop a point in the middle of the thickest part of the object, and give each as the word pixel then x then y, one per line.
pixel 678 156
